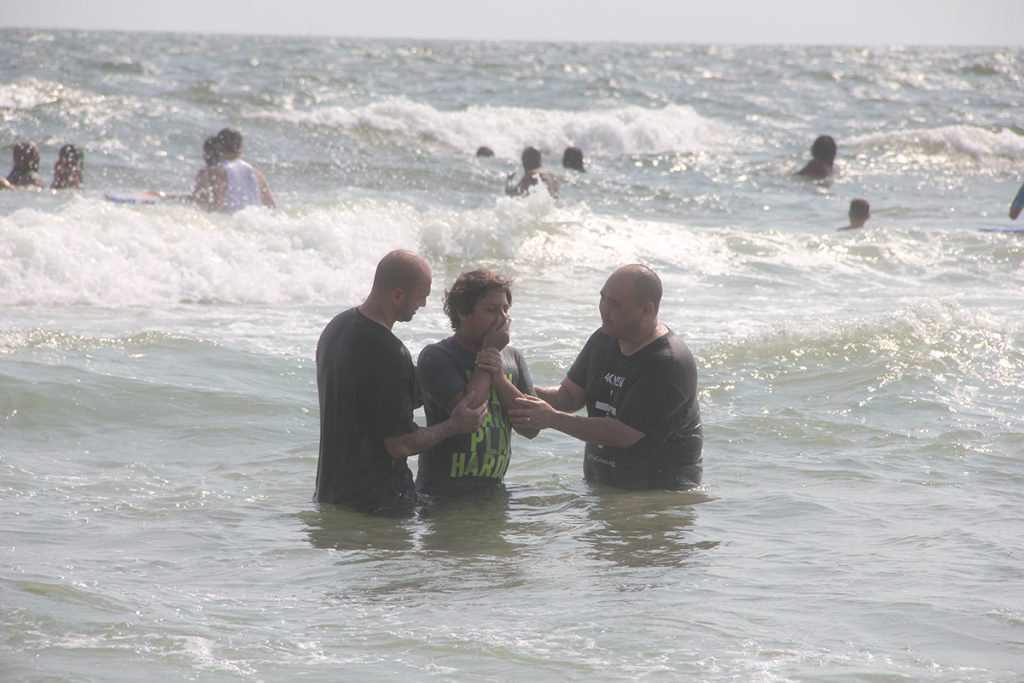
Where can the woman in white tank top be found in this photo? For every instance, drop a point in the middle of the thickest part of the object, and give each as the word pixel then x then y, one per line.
pixel 236 184
pixel 243 187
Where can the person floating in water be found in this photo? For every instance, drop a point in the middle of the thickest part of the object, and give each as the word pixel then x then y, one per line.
pixel 573 158
pixel 860 212
pixel 26 166
pixel 484 151
pixel 532 172
pixel 823 152
pixel 235 184
pixel 67 171
pixel 1017 204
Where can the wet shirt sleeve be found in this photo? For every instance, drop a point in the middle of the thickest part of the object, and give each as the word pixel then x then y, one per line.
pixel 439 375
pixel 579 371
pixel 524 381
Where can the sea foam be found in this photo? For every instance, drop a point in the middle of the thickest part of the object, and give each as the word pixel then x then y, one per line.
pixel 91 252
pixel 602 132
pixel 951 142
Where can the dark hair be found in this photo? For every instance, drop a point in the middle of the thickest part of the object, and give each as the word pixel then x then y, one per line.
pixel 71 155
pixel 471 287
pixel 26 156
pixel 484 151
pixel 824 149
pixel 229 140
pixel 211 150
pixel 573 158
pixel 531 158
pixel 67 171
pixel 860 208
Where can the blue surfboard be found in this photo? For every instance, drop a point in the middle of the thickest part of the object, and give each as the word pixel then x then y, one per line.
pixel 1019 230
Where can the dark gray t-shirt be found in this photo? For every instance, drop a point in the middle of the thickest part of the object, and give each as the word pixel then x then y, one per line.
pixel 465 462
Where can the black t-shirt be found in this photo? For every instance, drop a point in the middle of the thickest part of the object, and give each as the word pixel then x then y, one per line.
pixel 653 391
pixel 465 462
pixel 365 380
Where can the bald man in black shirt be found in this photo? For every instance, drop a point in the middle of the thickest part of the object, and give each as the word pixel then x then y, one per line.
pixel 366 385
pixel 638 381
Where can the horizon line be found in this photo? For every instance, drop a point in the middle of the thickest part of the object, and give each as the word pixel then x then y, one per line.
pixel 544 41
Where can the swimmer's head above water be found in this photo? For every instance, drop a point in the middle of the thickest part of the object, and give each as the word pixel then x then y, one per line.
pixel 823 152
pixel 229 141
pixel 531 158
pixel 26 156
pixel 573 158
pixel 824 149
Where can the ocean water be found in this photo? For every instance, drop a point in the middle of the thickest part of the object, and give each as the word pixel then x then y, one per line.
pixel 861 391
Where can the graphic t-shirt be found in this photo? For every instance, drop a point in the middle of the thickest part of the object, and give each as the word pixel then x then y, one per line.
pixel 465 462
pixel 653 391
pixel 365 379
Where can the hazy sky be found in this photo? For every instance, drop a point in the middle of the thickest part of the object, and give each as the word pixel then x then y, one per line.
pixel 860 22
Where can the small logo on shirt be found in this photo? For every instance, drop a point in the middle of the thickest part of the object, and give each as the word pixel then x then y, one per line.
pixel 615 380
